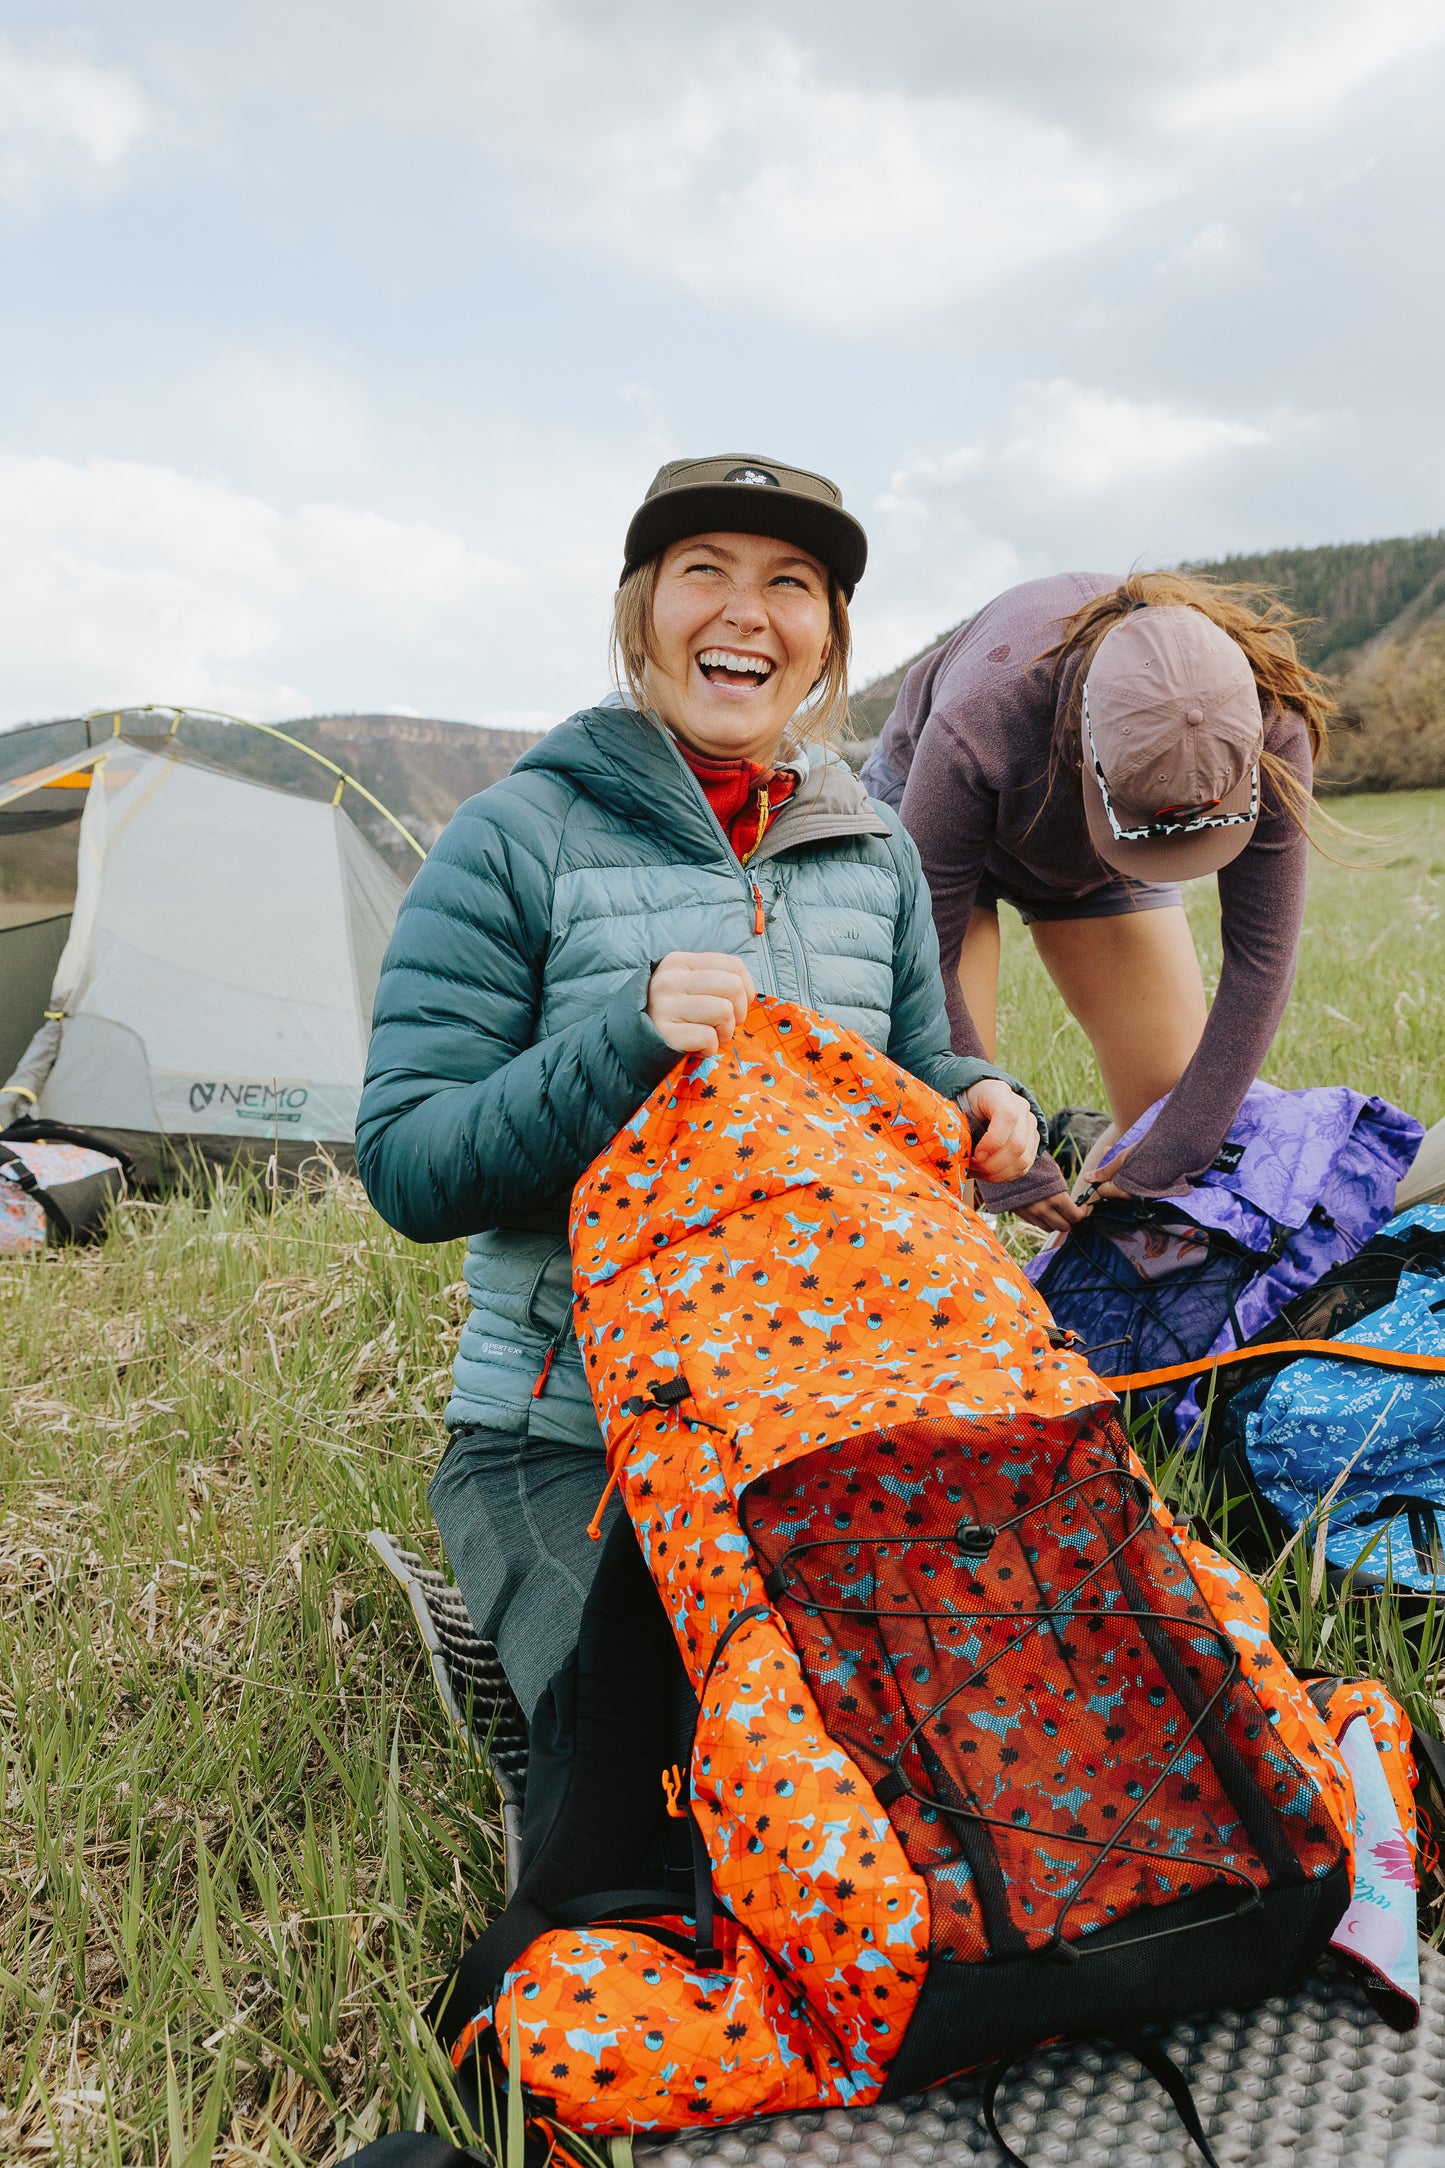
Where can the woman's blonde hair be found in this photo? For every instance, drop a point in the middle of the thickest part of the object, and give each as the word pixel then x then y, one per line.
pixel 826 715
pixel 1266 634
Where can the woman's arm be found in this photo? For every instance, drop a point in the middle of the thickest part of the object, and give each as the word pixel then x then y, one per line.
pixel 950 815
pixel 467 1121
pixel 1261 909
pixel 918 1038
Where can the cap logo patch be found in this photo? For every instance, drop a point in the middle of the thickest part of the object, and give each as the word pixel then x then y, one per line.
pixel 752 474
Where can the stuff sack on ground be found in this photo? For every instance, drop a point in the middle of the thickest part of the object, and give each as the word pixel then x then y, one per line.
pixel 1354 1454
pixel 906 1728
pixel 56 1185
pixel 1304 1178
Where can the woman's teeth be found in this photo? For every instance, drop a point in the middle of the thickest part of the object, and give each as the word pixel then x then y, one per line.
pixel 720 665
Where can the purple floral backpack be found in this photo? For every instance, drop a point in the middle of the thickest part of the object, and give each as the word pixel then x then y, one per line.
pixel 1303 1179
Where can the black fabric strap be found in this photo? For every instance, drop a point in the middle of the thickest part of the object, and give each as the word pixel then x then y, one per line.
pixel 754 1610
pixel 1145 2052
pixel 413 2149
pixel 476 1979
pixel 605 1904
pixel 709 1956
pixel 474 1982
pixel 22 1177
pixel 1176 2085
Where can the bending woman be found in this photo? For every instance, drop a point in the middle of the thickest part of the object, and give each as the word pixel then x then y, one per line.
pixel 1076 750
pixel 580 927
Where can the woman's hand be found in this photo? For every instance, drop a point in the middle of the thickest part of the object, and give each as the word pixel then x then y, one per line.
pixel 695 1002
pixel 1010 1144
pixel 1053 1215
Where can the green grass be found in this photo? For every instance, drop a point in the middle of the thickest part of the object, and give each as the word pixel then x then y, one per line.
pixel 1367 1003
pixel 238 1842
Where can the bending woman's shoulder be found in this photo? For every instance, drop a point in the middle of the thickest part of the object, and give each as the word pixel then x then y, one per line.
pixel 987 687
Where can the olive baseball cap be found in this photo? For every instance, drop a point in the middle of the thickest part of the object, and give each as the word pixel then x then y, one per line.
pixel 1172 731
pixel 737 493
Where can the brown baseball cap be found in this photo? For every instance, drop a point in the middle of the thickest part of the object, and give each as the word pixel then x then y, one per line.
pixel 739 493
pixel 1172 733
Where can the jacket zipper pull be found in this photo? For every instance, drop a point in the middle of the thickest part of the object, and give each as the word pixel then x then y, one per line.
pixel 549 1358
pixel 757 911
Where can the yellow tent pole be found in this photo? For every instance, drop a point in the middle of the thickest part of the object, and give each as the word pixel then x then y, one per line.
pixel 23 786
pixel 218 715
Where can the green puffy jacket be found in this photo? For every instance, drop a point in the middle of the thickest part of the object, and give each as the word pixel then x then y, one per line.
pixel 511 1040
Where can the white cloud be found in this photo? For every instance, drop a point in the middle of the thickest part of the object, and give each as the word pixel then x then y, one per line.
pixel 1298 79
pixel 762 186
pixel 766 173
pixel 732 167
pixel 1070 441
pixel 1080 475
pixel 60 115
pixel 123 581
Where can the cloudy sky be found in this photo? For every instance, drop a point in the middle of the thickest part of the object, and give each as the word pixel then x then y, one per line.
pixel 339 338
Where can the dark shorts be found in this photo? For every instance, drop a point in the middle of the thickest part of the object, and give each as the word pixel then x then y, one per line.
pixel 513 1514
pixel 1111 899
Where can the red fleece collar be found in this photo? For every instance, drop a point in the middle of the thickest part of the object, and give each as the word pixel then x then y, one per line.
pixel 743 796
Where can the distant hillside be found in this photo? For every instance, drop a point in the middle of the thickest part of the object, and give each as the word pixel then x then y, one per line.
pixel 419 767
pixel 1358 592
pixel 1379 637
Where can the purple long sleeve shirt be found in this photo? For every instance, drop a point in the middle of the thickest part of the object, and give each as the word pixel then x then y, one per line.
pixel 971 737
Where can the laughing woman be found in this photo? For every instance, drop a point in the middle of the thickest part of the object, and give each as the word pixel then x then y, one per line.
pixel 579 928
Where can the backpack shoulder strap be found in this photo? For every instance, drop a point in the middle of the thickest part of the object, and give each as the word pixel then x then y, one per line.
pixel 481 1971
pixel 607 1727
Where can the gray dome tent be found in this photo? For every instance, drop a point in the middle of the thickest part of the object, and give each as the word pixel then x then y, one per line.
pixel 215 990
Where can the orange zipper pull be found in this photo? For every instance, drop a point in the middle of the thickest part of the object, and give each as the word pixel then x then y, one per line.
pixel 757 910
pixel 541 1385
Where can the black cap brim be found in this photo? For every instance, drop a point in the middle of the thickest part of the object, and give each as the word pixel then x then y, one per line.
pixel 825 531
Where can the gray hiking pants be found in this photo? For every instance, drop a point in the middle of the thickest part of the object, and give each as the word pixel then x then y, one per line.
pixel 513 1514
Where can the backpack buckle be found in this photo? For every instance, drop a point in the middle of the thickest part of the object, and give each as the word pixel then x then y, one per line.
pixel 668 1394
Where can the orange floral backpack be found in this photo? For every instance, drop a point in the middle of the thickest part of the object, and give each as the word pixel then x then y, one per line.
pixel 907 1729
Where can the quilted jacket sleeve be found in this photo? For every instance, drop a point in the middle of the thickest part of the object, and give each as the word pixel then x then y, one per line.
pixel 467 1121
pixel 919 1039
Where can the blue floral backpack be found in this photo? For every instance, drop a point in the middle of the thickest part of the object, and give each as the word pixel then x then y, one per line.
pixel 1352 1448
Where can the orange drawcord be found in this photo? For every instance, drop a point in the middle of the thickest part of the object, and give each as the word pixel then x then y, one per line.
pixel 757 909
pixel 1346 1351
pixel 672 1783
pixel 594 1526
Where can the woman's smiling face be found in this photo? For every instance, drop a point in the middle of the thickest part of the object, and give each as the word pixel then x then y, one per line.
pixel 740 632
